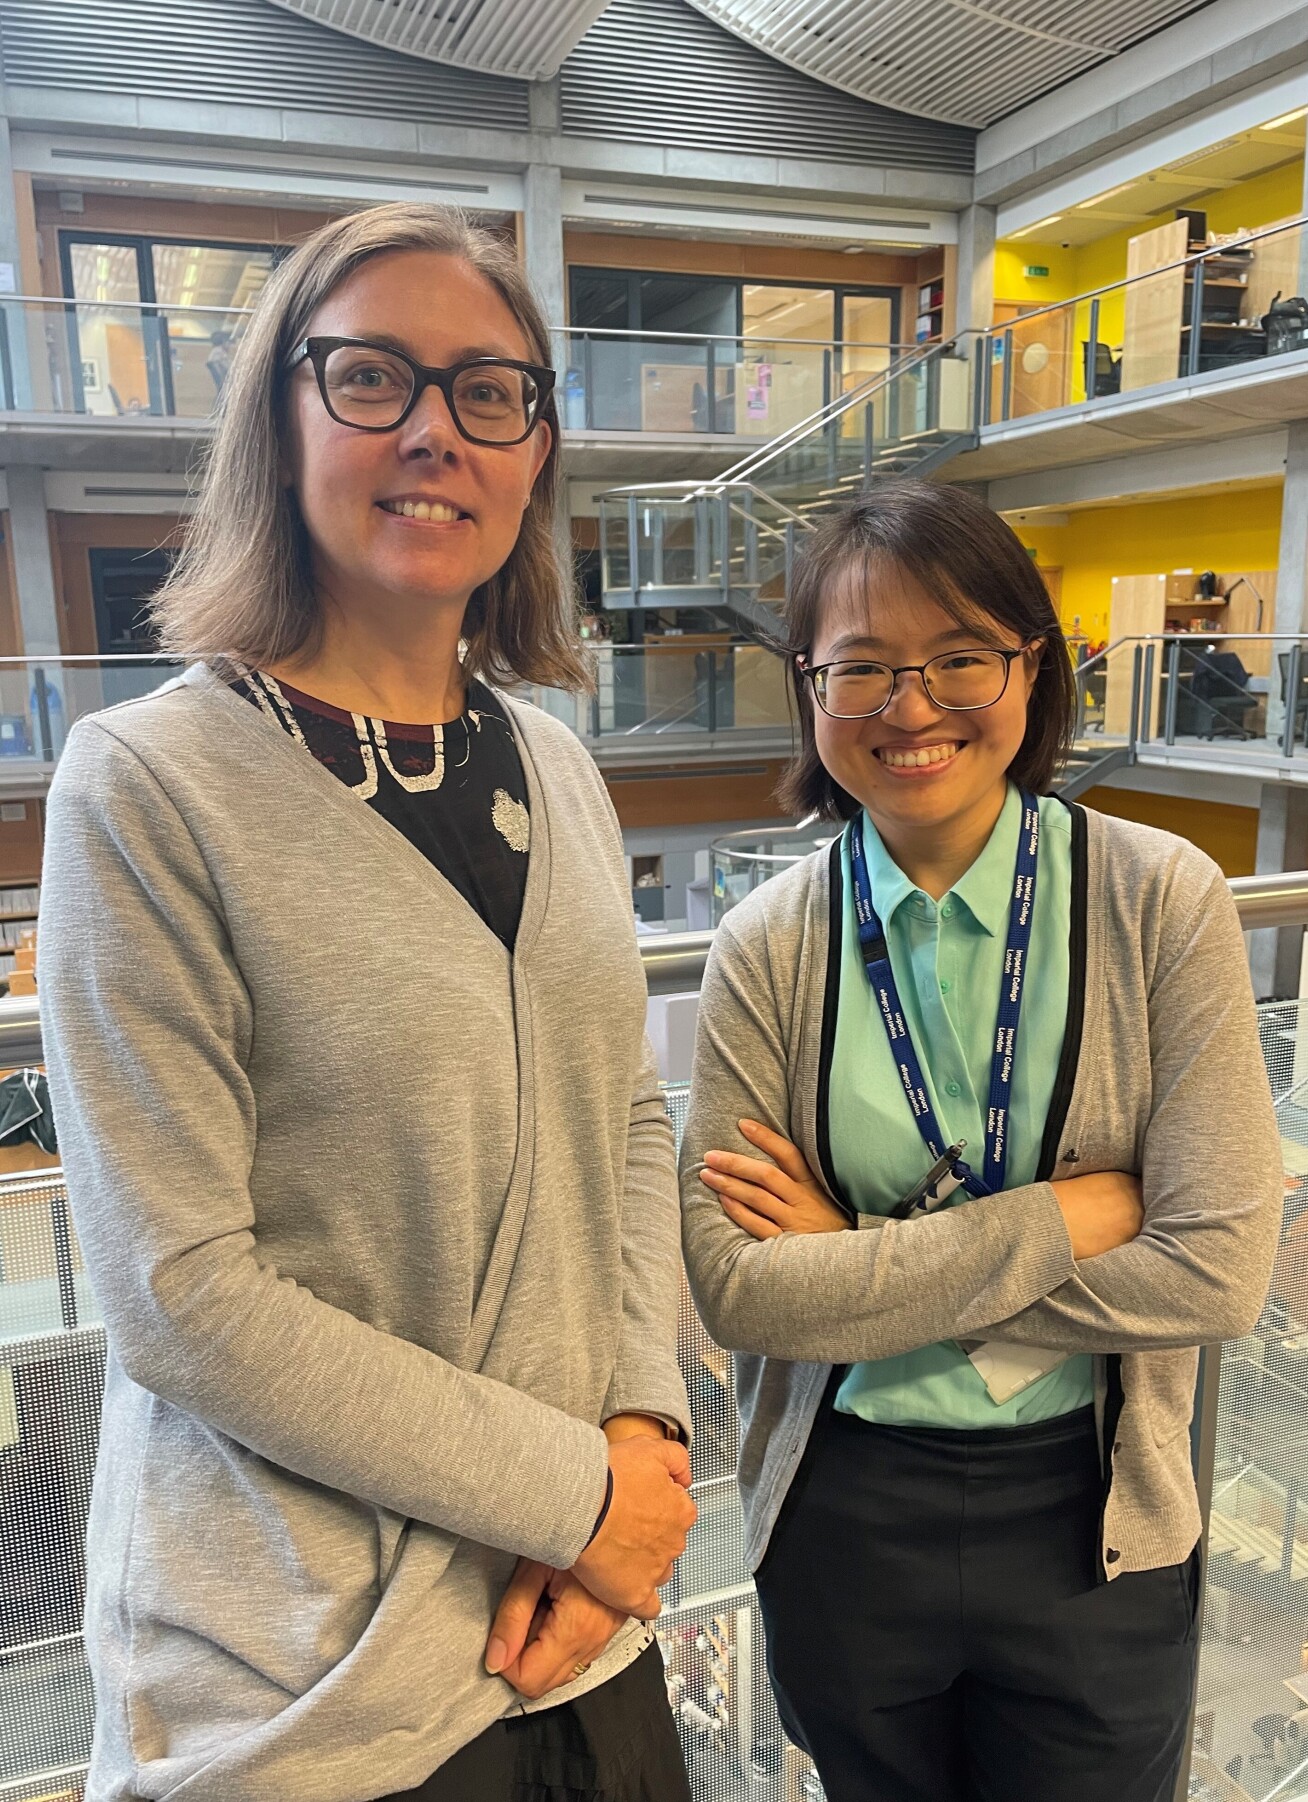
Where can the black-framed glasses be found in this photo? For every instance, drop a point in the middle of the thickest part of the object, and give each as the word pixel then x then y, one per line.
pixel 374 388
pixel 957 681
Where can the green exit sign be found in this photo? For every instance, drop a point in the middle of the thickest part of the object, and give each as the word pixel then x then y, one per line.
pixel 1035 269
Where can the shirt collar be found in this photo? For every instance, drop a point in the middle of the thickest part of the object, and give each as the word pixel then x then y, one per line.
pixel 986 889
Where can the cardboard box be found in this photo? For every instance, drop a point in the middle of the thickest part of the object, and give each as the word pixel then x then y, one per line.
pixel 22 982
pixel 1181 586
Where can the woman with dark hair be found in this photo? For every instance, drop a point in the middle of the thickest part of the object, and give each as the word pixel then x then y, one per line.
pixel 980 1149
pixel 363 1137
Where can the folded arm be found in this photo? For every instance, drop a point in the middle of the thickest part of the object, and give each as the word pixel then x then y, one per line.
pixel 1211 1169
pixel 838 1297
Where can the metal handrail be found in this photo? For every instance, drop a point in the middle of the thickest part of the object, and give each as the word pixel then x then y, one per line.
pixel 674 961
pixel 609 331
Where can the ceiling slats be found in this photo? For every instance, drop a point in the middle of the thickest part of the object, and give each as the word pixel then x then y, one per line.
pixel 660 72
pixel 527 39
pixel 968 62
pixel 245 52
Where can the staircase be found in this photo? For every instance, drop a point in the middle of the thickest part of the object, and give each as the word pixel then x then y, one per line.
pixel 728 544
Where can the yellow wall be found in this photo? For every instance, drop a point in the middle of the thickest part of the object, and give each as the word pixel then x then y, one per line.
pixel 1228 834
pixel 1238 530
pixel 1263 199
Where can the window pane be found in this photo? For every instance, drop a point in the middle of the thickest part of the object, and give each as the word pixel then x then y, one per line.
pixel 601 301
pixel 106 339
pixel 776 312
pixel 200 345
pixel 687 303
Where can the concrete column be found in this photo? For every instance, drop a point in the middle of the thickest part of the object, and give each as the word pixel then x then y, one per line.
pixel 542 237
pixel 542 249
pixel 975 305
pixel 1276 954
pixel 29 537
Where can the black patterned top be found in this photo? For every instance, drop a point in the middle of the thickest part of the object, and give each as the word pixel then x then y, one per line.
pixel 457 792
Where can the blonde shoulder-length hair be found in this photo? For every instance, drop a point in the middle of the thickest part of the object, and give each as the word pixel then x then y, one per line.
pixel 241 590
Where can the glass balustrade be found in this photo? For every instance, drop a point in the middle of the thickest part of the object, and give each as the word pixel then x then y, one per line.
pixel 40 698
pixel 676 383
pixel 1251 1721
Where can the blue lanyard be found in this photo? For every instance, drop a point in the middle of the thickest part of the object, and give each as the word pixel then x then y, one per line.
pixel 881 978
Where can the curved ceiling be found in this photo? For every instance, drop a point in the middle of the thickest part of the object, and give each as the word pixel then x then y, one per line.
pixel 965 61
pixel 524 38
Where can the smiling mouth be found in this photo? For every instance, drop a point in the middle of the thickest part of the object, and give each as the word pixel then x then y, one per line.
pixel 911 759
pixel 434 511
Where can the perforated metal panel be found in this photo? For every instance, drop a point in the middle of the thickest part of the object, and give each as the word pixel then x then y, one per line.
pixel 711 1630
pixel 52 1353
pixel 1252 1713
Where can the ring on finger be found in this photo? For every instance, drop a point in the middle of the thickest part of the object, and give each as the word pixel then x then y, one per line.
pixel 579 1669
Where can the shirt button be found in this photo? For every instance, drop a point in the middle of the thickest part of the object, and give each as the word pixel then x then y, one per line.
pixel 952 1088
pixel 947 911
pixel 945 986
pixel 1112 1555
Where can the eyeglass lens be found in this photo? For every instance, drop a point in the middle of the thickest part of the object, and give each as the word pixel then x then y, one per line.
pixel 959 680
pixel 370 387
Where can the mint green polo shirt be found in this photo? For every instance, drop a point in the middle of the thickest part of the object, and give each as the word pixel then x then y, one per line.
pixel 948 961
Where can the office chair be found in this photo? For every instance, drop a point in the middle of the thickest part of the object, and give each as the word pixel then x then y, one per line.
pixel 1219 694
pixel 1300 700
pixel 1103 371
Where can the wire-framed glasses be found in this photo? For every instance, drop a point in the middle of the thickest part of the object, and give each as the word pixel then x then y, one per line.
pixel 374 388
pixel 958 681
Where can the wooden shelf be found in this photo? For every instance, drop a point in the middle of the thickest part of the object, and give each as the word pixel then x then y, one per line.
pixel 11 919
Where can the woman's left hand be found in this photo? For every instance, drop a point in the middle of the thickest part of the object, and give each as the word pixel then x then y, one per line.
pixel 547 1625
pixel 770 1198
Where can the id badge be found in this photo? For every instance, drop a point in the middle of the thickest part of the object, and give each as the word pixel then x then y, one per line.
pixel 1006 1370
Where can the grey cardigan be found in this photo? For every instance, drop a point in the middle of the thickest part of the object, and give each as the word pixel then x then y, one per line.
pixel 383 1225
pixel 1161 1075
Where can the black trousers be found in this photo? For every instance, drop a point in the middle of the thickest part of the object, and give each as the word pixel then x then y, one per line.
pixel 618 1743
pixel 936 1631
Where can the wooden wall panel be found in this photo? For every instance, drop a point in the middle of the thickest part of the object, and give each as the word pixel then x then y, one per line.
pixel 11 631
pixel 74 536
pixel 1151 342
pixel 752 262
pixel 693 795
pixel 21 841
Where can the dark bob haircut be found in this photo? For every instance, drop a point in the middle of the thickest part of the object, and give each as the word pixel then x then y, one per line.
pixel 975 568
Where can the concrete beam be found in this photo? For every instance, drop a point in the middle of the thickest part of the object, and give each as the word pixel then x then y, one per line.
pixel 1148 475
pixel 1277 47
pixel 190 123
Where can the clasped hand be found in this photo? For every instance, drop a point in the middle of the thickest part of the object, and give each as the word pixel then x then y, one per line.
pixel 550 1624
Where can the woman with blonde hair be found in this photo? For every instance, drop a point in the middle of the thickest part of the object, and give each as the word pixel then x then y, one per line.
pixel 362 1135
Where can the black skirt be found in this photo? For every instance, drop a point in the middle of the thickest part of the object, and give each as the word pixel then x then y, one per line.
pixel 618 1743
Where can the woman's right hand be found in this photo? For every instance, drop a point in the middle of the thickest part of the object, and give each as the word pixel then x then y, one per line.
pixel 1101 1211
pixel 644 1531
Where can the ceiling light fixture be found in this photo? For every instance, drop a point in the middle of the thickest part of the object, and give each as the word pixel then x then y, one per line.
pixel 1107 194
pixel 1285 119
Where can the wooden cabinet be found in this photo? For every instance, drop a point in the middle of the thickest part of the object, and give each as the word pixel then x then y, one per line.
pixel 1245 603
